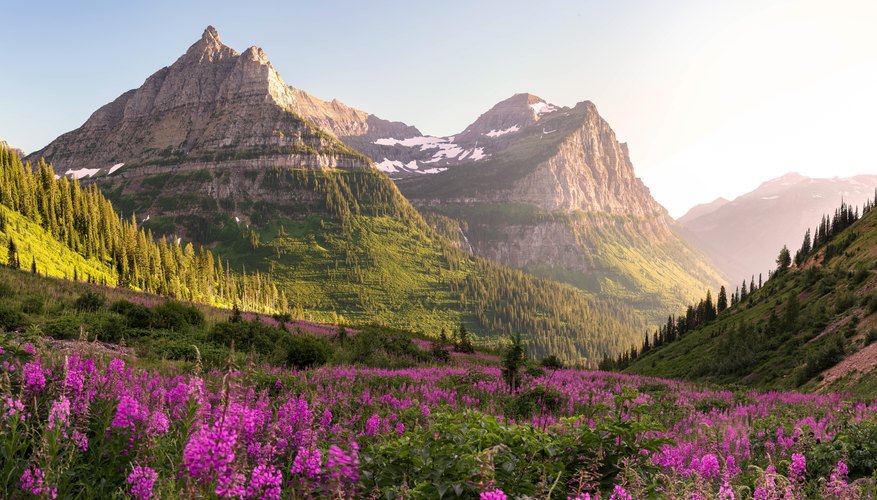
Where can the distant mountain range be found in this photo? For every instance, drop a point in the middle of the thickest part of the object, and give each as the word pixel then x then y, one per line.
pixel 743 236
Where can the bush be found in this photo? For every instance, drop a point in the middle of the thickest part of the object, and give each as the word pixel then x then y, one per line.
pixel 532 402
pixel 6 289
pixel 301 351
pixel 64 327
pixel 551 362
pixel 871 336
pixel 89 302
pixel 829 356
pixel 175 316
pixel 10 317
pixel 33 304
pixel 247 336
pixel 137 315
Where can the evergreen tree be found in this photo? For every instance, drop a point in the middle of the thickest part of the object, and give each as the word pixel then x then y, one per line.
pixel 12 255
pixel 722 301
pixel 513 359
pixel 784 260
pixel 33 265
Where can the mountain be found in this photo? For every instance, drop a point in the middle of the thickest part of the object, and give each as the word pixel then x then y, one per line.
pixel 553 192
pixel 743 236
pixel 812 327
pixel 217 149
pixel 702 210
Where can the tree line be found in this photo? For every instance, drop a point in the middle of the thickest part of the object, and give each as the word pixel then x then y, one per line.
pixel 83 220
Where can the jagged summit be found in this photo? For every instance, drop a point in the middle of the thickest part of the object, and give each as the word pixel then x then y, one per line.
pixel 212 105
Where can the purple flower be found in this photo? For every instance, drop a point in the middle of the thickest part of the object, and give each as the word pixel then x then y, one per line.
pixel 34 482
pixel 496 494
pixel 344 466
pixel 79 440
pixel 307 463
pixel 29 348
pixel 34 377
pixel 797 468
pixel 265 483
pixel 142 481
pixel 372 425
pixel 209 455
pixel 128 413
pixel 12 409
pixel 708 467
pixel 59 416
pixel 619 493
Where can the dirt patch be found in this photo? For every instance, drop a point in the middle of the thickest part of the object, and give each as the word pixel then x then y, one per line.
pixel 861 362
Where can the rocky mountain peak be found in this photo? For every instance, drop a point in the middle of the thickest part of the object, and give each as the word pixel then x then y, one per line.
pixel 211 103
pixel 208 48
pixel 507 117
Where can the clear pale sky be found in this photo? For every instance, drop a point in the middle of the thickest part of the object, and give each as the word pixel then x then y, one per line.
pixel 712 97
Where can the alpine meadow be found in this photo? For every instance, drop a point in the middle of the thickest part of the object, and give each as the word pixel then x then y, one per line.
pixel 219 285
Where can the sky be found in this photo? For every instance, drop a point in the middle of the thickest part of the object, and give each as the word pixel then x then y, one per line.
pixel 713 98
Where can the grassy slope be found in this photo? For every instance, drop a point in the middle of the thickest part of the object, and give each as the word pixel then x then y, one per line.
pixel 837 304
pixel 380 263
pixel 53 258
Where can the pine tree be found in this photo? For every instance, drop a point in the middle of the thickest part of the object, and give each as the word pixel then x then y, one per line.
pixel 722 301
pixel 33 265
pixel 12 260
pixel 784 260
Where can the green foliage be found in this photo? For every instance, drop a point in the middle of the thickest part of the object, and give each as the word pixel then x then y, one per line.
pixel 89 302
pixel 551 362
pixel 458 454
pixel 10 317
pixel 301 351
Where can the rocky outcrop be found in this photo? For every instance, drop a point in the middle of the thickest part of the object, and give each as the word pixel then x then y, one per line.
pixel 6 145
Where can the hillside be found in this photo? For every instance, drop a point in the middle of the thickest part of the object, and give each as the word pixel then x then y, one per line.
pixel 334 233
pixel 810 328
pixel 742 236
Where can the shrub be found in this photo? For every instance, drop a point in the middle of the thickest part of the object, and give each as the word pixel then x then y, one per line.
pixel 175 316
pixel 871 336
pixel 10 317
pixel 89 302
pixel 247 336
pixel 64 327
pixel 551 362
pixel 137 315
pixel 33 304
pixel 302 351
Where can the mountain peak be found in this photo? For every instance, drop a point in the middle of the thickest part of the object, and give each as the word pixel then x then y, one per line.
pixel 210 35
pixel 209 47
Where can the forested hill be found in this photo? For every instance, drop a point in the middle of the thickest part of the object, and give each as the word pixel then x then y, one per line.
pixel 812 326
pixel 55 227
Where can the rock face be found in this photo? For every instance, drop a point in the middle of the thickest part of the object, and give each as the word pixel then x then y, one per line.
pixel 744 236
pixel 212 105
pixel 556 194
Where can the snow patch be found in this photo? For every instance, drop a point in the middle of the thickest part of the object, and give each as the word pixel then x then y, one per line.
pixel 477 154
pixel 425 142
pixel 434 170
pixel 497 133
pixel 817 196
pixel 389 166
pixel 115 167
pixel 82 172
pixel 770 197
pixel 540 108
